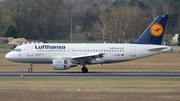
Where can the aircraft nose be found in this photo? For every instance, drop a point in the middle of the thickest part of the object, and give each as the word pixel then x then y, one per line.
pixel 8 56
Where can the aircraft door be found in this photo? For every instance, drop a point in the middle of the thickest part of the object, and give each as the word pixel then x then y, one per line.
pixel 132 51
pixel 30 50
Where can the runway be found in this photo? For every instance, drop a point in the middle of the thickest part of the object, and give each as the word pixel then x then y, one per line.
pixel 90 75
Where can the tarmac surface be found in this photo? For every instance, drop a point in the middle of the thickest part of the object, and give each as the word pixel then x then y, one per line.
pixel 90 75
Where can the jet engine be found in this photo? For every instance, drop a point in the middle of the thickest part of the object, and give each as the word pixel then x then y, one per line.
pixel 62 64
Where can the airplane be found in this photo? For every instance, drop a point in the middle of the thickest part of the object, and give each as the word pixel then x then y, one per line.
pixel 63 56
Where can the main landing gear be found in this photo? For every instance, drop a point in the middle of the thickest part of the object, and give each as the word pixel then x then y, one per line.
pixel 30 69
pixel 84 69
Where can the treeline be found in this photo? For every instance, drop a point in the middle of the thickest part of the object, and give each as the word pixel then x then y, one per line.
pixel 106 20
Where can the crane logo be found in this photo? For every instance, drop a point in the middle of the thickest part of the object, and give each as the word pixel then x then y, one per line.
pixel 156 29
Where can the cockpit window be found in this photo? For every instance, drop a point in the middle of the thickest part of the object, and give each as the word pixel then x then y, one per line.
pixel 17 50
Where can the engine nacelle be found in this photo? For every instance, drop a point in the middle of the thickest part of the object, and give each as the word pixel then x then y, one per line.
pixel 62 64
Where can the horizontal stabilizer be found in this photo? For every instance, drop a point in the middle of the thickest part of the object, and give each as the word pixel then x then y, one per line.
pixel 157 48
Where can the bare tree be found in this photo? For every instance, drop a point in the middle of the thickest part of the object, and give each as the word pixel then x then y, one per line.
pixel 103 24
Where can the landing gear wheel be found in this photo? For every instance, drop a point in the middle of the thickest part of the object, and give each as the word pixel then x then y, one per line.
pixel 30 70
pixel 84 70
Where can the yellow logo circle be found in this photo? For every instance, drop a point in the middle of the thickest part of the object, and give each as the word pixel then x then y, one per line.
pixel 156 29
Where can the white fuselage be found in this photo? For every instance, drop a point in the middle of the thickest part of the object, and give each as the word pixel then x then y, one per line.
pixel 45 53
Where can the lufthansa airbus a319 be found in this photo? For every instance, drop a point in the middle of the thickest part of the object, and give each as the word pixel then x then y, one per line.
pixel 66 55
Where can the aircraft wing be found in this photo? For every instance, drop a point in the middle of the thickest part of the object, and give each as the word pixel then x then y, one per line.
pixel 88 55
pixel 94 58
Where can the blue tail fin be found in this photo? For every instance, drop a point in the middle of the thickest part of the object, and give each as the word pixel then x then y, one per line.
pixel 155 31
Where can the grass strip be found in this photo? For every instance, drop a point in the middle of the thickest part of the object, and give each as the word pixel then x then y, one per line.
pixel 81 89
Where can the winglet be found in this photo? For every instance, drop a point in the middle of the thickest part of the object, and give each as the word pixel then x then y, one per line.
pixel 155 31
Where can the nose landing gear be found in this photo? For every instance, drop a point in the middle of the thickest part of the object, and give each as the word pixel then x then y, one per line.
pixel 30 69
